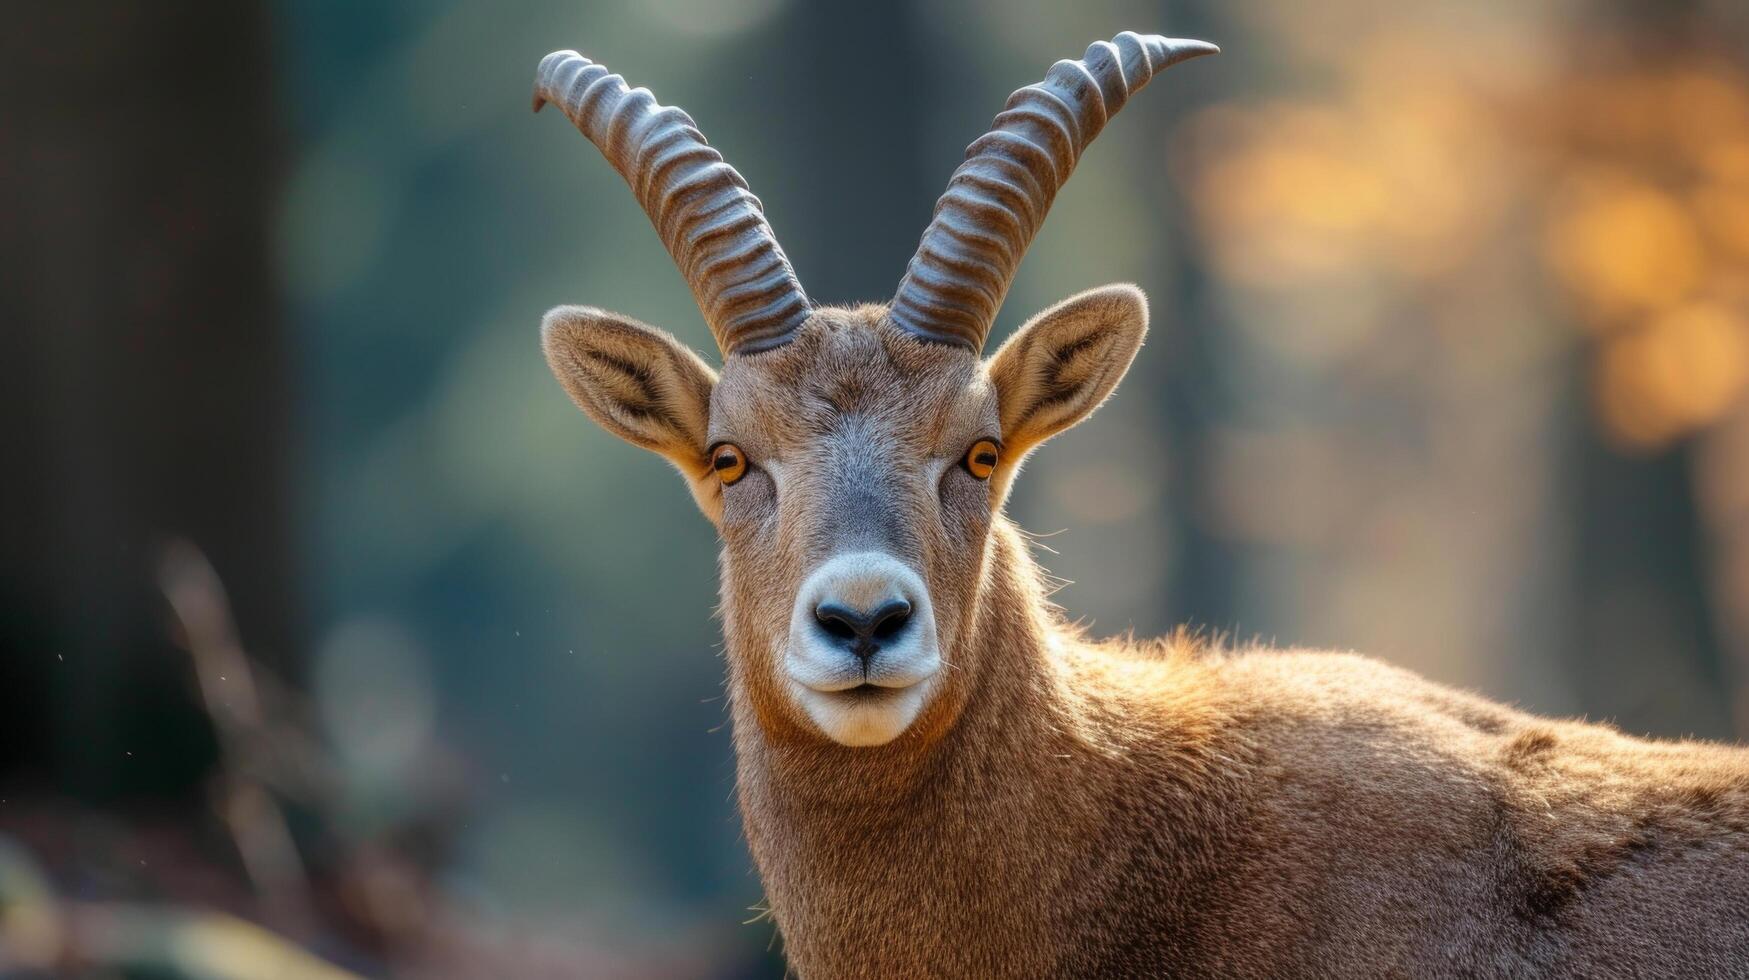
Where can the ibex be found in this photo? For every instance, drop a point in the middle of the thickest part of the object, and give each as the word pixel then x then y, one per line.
pixel 939 778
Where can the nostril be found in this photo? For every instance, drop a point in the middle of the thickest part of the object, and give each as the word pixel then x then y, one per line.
pixel 890 618
pixel 838 621
pixel 845 623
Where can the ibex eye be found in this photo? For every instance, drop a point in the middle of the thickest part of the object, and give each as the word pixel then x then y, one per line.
pixel 981 459
pixel 728 462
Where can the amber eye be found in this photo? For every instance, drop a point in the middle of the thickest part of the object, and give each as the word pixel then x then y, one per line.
pixel 728 462
pixel 981 459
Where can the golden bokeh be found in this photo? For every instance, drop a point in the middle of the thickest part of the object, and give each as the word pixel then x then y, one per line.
pixel 1629 181
pixel 1622 246
pixel 1679 372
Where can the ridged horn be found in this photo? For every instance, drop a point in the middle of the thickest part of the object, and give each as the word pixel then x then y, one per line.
pixel 998 198
pixel 709 221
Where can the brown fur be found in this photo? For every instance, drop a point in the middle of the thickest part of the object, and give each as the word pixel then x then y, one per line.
pixel 1065 808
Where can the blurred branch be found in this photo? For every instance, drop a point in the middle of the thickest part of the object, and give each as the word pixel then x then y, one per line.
pixel 251 749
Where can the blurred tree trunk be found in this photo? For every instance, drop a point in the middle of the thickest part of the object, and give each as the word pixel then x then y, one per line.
pixel 855 169
pixel 1649 652
pixel 145 379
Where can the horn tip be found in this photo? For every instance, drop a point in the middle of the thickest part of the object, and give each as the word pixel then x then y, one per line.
pixel 1184 48
pixel 543 76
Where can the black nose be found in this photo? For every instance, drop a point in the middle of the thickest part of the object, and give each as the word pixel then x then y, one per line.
pixel 861 630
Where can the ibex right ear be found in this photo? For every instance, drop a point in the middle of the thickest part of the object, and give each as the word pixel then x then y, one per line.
pixel 635 381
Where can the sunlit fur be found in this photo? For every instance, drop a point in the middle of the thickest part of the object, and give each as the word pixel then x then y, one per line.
pixel 1065 808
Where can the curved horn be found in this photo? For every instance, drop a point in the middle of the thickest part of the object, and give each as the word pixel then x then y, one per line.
pixel 998 198
pixel 709 221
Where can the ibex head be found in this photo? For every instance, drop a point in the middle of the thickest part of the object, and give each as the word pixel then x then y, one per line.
pixel 853 460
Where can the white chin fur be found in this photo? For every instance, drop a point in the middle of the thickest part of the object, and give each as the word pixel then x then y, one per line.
pixel 863 719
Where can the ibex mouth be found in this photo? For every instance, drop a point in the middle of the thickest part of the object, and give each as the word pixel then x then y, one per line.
pixel 866 688
pixel 862 647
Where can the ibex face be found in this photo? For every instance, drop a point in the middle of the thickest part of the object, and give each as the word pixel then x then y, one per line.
pixel 853 475
pixel 853 460
pixel 852 536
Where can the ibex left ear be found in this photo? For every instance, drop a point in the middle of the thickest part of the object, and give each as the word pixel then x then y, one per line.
pixel 1064 363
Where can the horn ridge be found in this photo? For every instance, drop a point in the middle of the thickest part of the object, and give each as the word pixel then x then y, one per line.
pixel 956 281
pixel 707 217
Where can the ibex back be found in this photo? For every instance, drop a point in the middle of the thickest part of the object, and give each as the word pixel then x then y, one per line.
pixel 939 778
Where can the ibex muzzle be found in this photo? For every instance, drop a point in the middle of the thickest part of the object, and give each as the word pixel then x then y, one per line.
pixel 863 647
pixel 862 636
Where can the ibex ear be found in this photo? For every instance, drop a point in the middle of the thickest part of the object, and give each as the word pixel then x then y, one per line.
pixel 1064 362
pixel 635 381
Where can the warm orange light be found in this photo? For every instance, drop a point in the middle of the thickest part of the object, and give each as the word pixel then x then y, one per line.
pixel 1623 245
pixel 1677 374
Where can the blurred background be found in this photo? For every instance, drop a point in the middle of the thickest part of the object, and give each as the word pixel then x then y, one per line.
pixel 334 641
